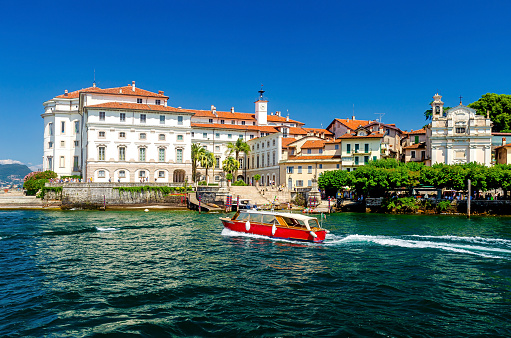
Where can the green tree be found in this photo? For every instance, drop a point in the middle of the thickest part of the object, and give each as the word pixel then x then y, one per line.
pixel 230 165
pixel 499 106
pixel 207 160
pixel 197 152
pixel 257 177
pixel 238 147
pixel 36 181
pixel 335 179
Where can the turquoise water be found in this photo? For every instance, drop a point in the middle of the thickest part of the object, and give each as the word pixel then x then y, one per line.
pixel 124 273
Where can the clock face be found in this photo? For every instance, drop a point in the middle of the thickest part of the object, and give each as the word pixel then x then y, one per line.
pixel 263 107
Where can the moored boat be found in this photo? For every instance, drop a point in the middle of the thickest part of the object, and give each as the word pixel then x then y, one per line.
pixel 276 225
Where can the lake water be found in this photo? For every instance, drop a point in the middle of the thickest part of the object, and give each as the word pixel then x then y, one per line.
pixel 125 273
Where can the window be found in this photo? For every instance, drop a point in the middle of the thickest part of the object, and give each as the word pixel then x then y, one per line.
pixel 141 173
pixel 139 100
pixel 222 121
pixel 357 146
pixel 460 130
pixel 101 153
pixel 262 160
pixel 162 119
pixel 290 170
pixel 50 129
pixel 366 148
pixel 217 148
pixel 122 153
pixel 299 169
pixel 416 139
pixel 143 136
pixel 77 143
pixel 193 134
pixel 337 166
pixel 268 159
pixel 413 154
pixel 77 127
pixel 101 174
pixel 356 160
pixel 321 151
pixel 273 157
pixel 62 144
pixel 122 174
pixel 62 162
pixel 217 135
pixel 242 123
pixel 217 163
pixel 143 118
pixel 179 155
pixel 101 115
pixel 157 102
pixel 252 136
pixel 321 166
pixel 210 120
pixel 180 120
pixel 233 122
pixel 101 134
pixel 268 144
pixel 273 142
pixel 299 183
pixel 366 159
pixel 50 163
pixel 258 146
pixel 180 137
pixel 336 147
pixel 309 151
pixel 348 148
pixel 309 183
pixel 229 135
pixel 257 161
pixel 75 163
pixel 348 169
pixel 161 137
pixel 50 144
pixel 161 174
pixel 122 117
pixel 309 169
pixel 63 127
pixel 423 155
pixel 262 145
pixel 374 158
pixel 240 136
pixel 122 134
pixel 141 154
pixel 161 154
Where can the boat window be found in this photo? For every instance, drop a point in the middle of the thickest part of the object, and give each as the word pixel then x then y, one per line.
pixel 243 216
pixel 290 221
pixel 301 223
pixel 269 219
pixel 256 218
pixel 313 223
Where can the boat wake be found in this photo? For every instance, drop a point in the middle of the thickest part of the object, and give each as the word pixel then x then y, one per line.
pixel 479 246
pixel 106 229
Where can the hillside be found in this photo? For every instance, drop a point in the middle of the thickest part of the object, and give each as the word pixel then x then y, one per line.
pixel 13 169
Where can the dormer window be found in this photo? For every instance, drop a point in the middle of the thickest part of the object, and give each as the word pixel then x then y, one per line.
pixel 157 102
pixel 139 100
pixel 210 120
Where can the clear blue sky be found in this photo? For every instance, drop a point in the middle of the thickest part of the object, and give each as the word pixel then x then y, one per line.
pixel 315 58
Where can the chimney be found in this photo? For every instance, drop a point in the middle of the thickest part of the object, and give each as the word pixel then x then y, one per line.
pixel 213 109
pixel 503 141
pixel 133 85
pixel 65 92
pixel 232 110
pixel 353 117
pixel 287 118
pixel 94 84
pixel 160 92
pixel 277 113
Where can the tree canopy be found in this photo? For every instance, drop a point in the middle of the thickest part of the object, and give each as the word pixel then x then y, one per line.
pixel 499 106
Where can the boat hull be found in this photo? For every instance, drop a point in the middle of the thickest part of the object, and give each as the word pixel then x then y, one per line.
pixel 280 232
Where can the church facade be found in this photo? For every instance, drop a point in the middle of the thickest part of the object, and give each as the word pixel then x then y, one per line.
pixel 458 135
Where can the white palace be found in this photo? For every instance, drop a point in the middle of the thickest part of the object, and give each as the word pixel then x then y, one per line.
pixel 127 134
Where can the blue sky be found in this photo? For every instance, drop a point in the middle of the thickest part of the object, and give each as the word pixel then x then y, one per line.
pixel 315 59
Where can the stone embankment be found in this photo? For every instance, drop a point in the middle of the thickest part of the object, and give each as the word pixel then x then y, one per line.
pixel 16 200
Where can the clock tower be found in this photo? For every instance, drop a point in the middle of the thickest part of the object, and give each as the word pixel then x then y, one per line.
pixel 437 107
pixel 261 109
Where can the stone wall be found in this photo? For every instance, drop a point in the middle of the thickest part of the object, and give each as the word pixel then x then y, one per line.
pixel 95 195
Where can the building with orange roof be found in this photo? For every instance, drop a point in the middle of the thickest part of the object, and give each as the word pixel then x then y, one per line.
pixel 360 147
pixel 339 127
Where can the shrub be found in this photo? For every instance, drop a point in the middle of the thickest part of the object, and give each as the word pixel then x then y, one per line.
pixel 229 176
pixel 239 183
pixel 443 206
pixel 300 200
pixel 35 181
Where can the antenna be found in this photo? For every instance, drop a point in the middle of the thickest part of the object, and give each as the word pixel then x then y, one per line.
pixel 94 83
pixel 381 115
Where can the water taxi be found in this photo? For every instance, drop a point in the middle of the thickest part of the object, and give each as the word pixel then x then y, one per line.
pixel 276 225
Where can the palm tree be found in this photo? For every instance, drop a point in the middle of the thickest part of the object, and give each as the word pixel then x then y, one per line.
pixel 230 165
pixel 239 147
pixel 207 160
pixel 197 152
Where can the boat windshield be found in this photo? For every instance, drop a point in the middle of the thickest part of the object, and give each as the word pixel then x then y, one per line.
pixel 313 223
pixel 243 216
pixel 293 222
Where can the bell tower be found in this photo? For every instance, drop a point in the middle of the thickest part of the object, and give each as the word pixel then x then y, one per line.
pixel 261 109
pixel 437 106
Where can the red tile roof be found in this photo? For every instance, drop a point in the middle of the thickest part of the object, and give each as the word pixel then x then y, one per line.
pixel 503 146
pixel 349 136
pixel 276 118
pixel 138 106
pixel 420 131
pixel 416 146
pixel 319 130
pixel 126 90
pixel 353 124
pixel 314 157
pixel 286 141
pixel 297 131
pixel 313 144
pixel 264 129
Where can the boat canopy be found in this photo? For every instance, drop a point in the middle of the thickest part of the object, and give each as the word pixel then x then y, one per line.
pixel 268 217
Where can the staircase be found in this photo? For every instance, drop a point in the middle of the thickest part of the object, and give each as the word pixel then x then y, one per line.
pixel 259 196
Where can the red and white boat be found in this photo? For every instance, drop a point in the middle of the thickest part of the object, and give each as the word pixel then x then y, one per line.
pixel 276 225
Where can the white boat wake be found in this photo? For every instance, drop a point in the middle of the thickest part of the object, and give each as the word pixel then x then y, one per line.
pixel 106 229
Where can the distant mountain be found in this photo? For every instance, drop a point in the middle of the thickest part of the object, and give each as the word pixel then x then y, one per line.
pixel 7 170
